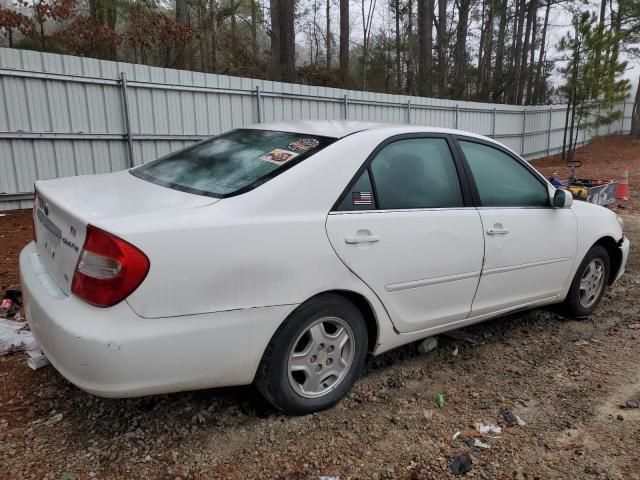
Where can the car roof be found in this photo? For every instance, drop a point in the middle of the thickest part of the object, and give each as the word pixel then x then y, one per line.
pixel 342 128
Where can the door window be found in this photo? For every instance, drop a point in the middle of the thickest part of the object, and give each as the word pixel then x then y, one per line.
pixel 416 173
pixel 501 180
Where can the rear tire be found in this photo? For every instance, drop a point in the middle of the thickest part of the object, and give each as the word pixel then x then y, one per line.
pixel 589 284
pixel 315 357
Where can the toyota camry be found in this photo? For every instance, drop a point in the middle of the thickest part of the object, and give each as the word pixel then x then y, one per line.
pixel 281 254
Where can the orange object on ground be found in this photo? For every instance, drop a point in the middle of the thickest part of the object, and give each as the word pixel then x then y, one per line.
pixel 622 192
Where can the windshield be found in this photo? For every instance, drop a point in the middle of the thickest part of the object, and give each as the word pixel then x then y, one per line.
pixel 231 163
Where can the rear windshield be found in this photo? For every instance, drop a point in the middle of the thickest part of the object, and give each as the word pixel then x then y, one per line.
pixel 231 163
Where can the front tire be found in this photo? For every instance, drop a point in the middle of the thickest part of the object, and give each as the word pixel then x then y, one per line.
pixel 589 283
pixel 315 357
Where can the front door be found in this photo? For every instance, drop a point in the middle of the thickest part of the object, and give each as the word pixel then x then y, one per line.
pixel 404 228
pixel 529 245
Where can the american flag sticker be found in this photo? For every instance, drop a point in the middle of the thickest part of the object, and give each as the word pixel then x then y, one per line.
pixel 362 198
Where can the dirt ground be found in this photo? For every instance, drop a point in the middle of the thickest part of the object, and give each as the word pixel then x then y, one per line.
pixel 566 379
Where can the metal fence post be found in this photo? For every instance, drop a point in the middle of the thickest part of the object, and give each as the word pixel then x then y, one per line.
pixel 127 122
pixel 457 111
pixel 259 107
pixel 346 106
pixel 549 131
pixel 493 123
pixel 524 130
pixel 409 111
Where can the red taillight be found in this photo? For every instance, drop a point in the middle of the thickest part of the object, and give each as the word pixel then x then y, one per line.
pixel 108 270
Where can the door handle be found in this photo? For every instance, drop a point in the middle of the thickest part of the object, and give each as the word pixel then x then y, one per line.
pixel 497 231
pixel 352 239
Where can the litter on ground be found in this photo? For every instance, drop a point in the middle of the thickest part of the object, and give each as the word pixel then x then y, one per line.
pixel 484 428
pixel 14 338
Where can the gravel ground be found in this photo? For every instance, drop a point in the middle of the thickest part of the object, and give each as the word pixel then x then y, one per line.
pixel 566 379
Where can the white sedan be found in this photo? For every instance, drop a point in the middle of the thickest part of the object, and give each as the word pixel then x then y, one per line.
pixel 282 253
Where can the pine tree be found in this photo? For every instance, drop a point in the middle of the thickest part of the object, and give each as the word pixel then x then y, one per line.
pixel 593 85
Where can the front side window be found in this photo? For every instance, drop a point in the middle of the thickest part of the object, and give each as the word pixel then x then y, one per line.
pixel 416 173
pixel 231 162
pixel 501 180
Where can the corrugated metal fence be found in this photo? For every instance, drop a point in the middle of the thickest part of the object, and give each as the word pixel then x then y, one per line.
pixel 63 115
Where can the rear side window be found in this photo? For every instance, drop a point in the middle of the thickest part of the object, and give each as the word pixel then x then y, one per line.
pixel 501 180
pixel 360 197
pixel 416 173
pixel 232 162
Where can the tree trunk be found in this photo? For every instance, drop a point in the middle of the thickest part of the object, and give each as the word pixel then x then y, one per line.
pixel 254 28
pixel 425 47
pixel 566 128
pixel 276 72
pixel 528 80
pixel 410 69
pixel 485 78
pixel 328 35
pixel 364 49
pixel 521 72
pixel 232 56
pixel 213 13
pixel 460 52
pixel 398 56
pixel 182 18
pixel 483 16
pixel 286 10
pixel 498 71
pixel 442 39
pixel 538 90
pixel 635 115
pixel 43 44
pixel 567 155
pixel 344 42
pixel 203 19
pixel 517 51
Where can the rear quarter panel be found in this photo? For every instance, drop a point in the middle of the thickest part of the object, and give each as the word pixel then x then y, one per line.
pixel 265 247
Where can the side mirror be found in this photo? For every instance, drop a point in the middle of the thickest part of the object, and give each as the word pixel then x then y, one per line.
pixel 562 198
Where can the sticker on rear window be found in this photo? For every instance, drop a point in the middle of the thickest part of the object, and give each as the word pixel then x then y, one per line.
pixel 279 156
pixel 304 144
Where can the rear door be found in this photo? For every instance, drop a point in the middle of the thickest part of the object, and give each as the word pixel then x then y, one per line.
pixel 407 228
pixel 529 245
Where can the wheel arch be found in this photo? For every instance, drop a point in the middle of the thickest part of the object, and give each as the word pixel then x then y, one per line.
pixel 362 304
pixel 615 256
pixel 368 313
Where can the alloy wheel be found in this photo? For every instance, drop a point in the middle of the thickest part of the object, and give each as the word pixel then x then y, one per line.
pixel 592 283
pixel 321 357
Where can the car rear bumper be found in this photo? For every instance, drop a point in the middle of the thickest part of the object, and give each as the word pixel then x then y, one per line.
pixel 113 352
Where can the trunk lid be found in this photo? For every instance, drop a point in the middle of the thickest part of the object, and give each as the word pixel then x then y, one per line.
pixel 63 208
